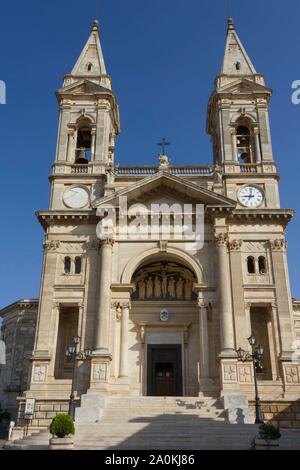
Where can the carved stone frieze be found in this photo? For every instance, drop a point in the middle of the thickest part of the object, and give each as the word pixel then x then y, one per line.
pixel 235 245
pixel 51 245
pixel 279 244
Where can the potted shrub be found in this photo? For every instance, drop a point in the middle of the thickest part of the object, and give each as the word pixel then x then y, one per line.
pixel 269 436
pixel 62 428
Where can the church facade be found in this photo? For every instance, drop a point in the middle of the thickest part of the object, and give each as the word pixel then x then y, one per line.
pixel 155 313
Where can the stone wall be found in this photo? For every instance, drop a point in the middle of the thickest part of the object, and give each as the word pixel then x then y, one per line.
pixel 45 411
pixel 281 413
pixel 18 333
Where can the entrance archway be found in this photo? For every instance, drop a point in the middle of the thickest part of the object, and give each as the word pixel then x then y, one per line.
pixel 164 308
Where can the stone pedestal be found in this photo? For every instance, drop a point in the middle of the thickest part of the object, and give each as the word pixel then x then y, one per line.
pixel 237 409
pixel 91 409
pixel 99 372
pixel 229 376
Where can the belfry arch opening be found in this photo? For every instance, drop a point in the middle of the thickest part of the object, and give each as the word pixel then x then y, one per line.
pixel 83 143
pixel 244 143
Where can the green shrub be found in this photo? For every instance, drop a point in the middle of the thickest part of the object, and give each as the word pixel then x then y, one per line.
pixel 62 425
pixel 268 432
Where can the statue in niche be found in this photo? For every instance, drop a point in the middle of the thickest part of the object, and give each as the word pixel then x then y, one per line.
pixel 188 286
pixel 171 288
pixel 179 289
pixel 142 289
pixel 149 287
pixel 157 287
pixel 164 283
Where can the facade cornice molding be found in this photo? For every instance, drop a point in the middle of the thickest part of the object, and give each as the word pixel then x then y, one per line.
pixel 21 304
pixel 48 218
pixel 282 216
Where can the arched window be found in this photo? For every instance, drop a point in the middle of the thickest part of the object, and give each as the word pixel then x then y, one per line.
pixel 67 265
pixel 238 66
pixel 243 140
pixel 262 265
pixel 83 144
pixel 78 265
pixel 89 66
pixel 250 265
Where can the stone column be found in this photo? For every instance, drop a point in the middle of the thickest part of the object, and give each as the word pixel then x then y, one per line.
pixel 283 297
pixel 71 149
pixel 103 311
pixel 234 144
pixel 257 145
pixel 93 142
pixel 225 302
pixel 204 340
pixel 123 371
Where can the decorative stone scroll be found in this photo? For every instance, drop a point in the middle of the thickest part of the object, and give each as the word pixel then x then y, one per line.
pixel 164 281
pixel 229 373
pixel 291 374
pixel 39 373
pixel 245 374
pixel 99 372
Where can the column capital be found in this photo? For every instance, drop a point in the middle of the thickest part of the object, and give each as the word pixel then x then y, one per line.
pixel 221 239
pixel 201 303
pixel 107 242
pixel 279 244
pixel 235 245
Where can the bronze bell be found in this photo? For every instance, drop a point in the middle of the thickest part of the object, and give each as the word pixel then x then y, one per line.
pixel 81 159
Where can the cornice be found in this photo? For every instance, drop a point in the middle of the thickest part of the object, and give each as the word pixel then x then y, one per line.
pixel 47 218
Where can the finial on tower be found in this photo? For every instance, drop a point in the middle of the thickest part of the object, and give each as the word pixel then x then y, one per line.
pixel 95 25
pixel 230 24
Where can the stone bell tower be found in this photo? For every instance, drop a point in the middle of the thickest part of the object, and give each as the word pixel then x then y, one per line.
pixel 238 114
pixel 88 122
pixel 238 123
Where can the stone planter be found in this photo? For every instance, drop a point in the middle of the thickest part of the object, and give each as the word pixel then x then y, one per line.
pixel 61 443
pixel 261 444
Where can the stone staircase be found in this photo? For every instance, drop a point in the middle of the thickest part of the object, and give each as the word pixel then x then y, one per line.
pixel 158 423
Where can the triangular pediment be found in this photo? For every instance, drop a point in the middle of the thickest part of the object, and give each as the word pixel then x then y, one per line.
pixel 83 87
pixel 165 187
pixel 244 85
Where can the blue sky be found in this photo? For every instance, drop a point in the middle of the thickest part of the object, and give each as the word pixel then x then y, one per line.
pixel 163 56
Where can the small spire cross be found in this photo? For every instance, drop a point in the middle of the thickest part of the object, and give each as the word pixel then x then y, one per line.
pixel 163 144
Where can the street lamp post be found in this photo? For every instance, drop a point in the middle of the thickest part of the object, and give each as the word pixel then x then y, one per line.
pixel 72 353
pixel 255 357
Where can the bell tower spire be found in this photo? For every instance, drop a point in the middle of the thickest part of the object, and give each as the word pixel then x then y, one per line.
pixel 238 112
pixel 89 113
pixel 90 63
pixel 236 61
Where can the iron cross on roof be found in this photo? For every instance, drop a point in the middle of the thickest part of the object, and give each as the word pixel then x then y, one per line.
pixel 163 144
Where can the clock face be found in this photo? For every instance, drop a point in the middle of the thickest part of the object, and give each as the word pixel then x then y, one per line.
pixel 76 197
pixel 250 196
